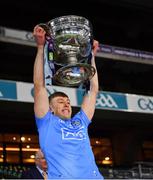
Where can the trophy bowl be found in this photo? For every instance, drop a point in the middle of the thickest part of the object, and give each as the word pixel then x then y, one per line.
pixel 72 41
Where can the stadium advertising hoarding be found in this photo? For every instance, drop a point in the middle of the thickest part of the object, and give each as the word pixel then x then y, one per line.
pixel 23 92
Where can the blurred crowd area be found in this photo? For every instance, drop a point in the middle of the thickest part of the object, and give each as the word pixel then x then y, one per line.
pixel 139 171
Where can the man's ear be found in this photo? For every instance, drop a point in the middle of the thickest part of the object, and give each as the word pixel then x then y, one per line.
pixel 51 109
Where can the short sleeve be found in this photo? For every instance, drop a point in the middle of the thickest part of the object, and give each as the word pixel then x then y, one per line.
pixel 43 121
pixel 83 117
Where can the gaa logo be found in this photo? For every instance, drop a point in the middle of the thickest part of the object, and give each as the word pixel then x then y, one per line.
pixel 106 101
pixel 145 104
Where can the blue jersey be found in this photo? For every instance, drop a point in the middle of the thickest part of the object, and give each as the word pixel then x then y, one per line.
pixel 66 146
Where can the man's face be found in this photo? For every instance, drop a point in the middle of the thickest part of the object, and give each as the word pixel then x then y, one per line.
pixel 61 107
pixel 41 162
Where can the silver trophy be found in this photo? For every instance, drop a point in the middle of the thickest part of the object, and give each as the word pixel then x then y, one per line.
pixel 70 41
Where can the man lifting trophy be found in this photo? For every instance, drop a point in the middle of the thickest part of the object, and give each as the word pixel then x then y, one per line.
pixel 68 51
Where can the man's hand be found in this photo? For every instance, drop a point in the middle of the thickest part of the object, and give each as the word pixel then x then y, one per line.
pixel 95 47
pixel 39 34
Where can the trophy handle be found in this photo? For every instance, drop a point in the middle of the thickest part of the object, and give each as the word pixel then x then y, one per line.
pixel 46 28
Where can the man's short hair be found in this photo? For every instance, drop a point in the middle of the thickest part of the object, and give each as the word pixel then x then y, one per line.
pixel 57 94
pixel 39 154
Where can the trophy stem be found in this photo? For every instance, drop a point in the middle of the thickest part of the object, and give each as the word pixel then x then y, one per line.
pixel 72 59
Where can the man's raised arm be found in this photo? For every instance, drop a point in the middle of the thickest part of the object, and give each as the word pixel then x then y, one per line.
pixel 89 101
pixel 41 103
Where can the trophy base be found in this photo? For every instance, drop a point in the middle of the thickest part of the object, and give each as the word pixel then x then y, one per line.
pixel 74 75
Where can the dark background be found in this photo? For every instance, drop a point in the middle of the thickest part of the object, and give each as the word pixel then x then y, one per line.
pixel 123 23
